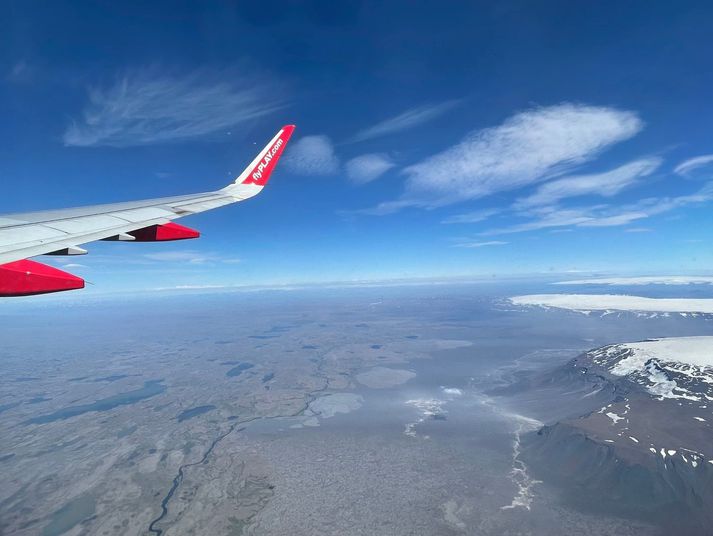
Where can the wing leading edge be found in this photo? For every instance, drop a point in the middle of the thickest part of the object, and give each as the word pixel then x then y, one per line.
pixel 62 231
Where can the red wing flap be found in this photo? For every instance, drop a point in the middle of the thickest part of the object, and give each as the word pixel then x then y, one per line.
pixel 165 232
pixel 26 277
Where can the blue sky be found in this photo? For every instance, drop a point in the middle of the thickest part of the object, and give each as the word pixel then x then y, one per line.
pixel 434 139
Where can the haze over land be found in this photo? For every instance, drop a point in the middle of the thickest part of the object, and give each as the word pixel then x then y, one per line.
pixel 306 410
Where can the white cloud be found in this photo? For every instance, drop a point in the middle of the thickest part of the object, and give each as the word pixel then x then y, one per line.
pixel 368 167
pixel 472 217
pixel 605 215
pixel 193 287
pixel 614 220
pixel 382 209
pixel 687 166
pixel 189 256
pixel 577 217
pixel 605 184
pixel 312 155
pixel 555 218
pixel 144 108
pixel 643 280
pixel 658 205
pixel 527 148
pixel 408 119
pixel 470 244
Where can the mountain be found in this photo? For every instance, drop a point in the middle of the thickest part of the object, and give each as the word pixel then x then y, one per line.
pixel 629 430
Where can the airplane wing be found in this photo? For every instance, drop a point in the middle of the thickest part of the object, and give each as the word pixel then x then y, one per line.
pixel 61 232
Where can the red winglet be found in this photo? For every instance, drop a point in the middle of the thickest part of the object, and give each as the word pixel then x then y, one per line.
pixel 260 169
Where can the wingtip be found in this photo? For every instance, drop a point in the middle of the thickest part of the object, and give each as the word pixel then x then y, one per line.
pixel 258 172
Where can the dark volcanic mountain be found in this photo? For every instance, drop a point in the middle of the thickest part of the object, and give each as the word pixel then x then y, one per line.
pixel 629 431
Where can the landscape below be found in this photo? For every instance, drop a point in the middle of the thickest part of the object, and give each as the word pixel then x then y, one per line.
pixel 411 408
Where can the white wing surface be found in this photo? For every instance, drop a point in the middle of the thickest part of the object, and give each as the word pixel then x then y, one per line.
pixel 60 232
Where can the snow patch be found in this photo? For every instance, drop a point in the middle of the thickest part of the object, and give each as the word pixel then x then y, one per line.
pixel 696 351
pixel 657 364
pixel 614 417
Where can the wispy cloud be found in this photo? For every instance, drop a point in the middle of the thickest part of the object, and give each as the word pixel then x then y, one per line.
pixel 382 209
pixel 192 257
pixel 408 119
pixel 473 216
pixel 476 244
pixel 686 167
pixel 193 287
pixel 642 280
pixel 605 184
pixel 368 167
pixel 189 257
pixel 312 155
pixel 527 148
pixel 144 108
pixel 20 72
pixel 605 215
